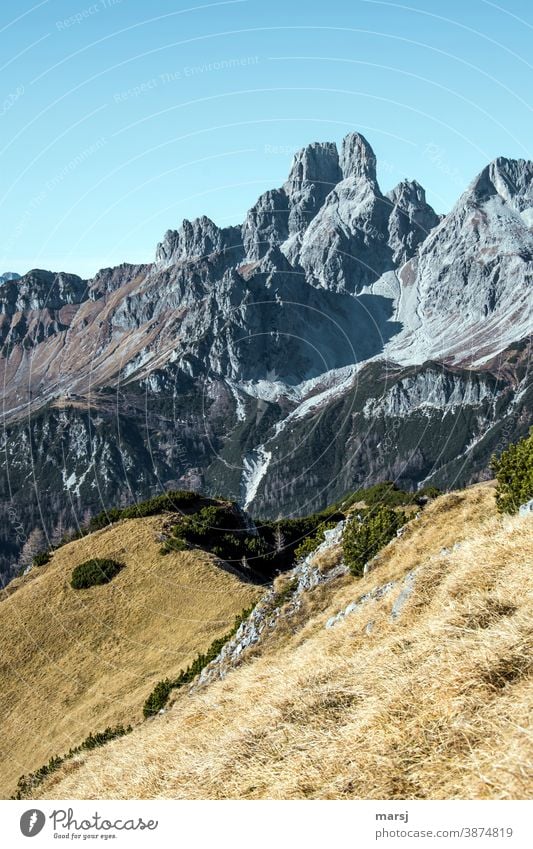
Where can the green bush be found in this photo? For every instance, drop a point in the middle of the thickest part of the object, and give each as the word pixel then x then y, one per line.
pixel 161 692
pixel 363 539
pixel 311 543
pixel 173 544
pixel 102 520
pixel 284 594
pixel 390 494
pixel 158 697
pixel 173 501
pixel 427 492
pixel 42 558
pixel 99 570
pixel 514 473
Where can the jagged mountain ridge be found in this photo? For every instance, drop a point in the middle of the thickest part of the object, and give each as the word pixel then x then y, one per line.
pixel 260 360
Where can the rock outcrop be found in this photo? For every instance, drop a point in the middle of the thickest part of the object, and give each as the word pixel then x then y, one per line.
pixel 410 221
pixel 195 240
pixel 467 291
pixel 345 248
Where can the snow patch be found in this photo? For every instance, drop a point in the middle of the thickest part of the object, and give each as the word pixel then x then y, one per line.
pixel 240 408
pixel 527 216
pixel 255 465
pixel 72 483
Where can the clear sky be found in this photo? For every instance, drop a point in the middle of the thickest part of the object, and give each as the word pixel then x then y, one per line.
pixel 119 118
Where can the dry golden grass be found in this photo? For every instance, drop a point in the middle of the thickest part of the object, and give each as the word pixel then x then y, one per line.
pixel 73 662
pixel 435 705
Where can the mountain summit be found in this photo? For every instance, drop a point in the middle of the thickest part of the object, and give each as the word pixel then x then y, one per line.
pixel 339 336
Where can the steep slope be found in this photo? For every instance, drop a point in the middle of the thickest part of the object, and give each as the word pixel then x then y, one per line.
pixel 421 688
pixel 473 272
pixel 73 662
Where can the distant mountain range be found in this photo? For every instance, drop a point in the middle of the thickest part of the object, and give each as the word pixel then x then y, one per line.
pixel 339 337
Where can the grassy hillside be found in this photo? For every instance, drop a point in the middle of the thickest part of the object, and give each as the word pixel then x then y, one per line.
pixel 433 699
pixel 74 662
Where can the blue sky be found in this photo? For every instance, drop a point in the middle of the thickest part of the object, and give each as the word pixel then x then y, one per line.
pixel 120 118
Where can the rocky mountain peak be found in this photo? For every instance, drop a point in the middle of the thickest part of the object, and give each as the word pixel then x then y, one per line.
pixel 510 179
pixel 315 163
pixel 194 239
pixel 357 159
pixel 314 173
pixel 266 224
pixel 407 192
pixel 39 289
pixel 410 220
pixel 474 268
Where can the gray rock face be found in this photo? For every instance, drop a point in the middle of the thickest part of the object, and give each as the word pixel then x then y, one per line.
pixel 39 290
pixel 331 218
pixel 281 215
pixel 108 280
pixel 357 159
pixel 195 240
pixel 509 179
pixel 431 390
pixel 461 276
pixel 526 509
pixel 410 220
pixel 38 307
pixel 266 224
pixel 345 246
pixel 314 173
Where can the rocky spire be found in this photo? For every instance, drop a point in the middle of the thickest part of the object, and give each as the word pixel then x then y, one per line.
pixel 266 224
pixel 195 239
pixel 345 246
pixel 314 173
pixel 410 220
pixel 357 159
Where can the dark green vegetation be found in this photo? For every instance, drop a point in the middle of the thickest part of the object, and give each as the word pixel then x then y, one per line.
pixel 388 493
pixel 159 696
pixel 514 473
pixel 42 558
pixel 98 446
pixel 259 549
pixel 99 570
pixel 283 595
pixel 146 448
pixel 27 783
pixel 310 543
pixel 364 537
pixel 174 501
